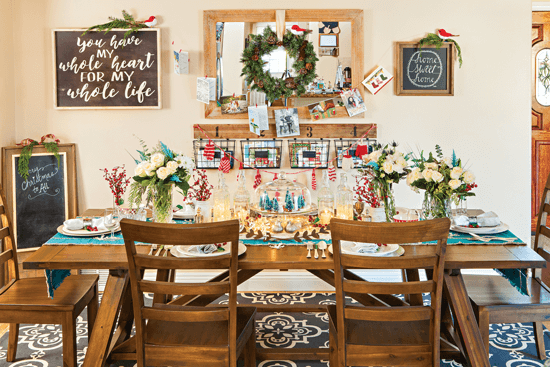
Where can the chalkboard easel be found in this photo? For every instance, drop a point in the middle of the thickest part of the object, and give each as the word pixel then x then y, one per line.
pixel 41 203
pixel 428 71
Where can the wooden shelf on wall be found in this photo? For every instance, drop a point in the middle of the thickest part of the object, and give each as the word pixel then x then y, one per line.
pixel 312 130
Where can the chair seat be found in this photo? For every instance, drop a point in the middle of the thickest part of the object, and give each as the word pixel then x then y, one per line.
pixel 388 333
pixel 197 333
pixel 487 291
pixel 31 294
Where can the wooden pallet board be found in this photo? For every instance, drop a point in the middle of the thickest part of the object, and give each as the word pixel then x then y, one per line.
pixel 313 130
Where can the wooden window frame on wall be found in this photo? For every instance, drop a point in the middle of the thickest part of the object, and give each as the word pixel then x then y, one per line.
pixel 211 17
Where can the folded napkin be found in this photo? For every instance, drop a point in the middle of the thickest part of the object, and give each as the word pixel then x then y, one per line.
pixel 78 223
pixel 489 219
pixel 204 249
pixel 365 248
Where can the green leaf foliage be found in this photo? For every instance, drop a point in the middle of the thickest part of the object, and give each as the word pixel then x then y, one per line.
pixel 128 22
pixel 433 39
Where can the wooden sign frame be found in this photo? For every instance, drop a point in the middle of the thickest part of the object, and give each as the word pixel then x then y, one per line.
pixel 68 155
pixel 159 73
pixel 354 16
pixel 449 91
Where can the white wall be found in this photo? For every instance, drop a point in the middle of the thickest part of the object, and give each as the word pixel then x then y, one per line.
pixel 487 122
pixel 7 83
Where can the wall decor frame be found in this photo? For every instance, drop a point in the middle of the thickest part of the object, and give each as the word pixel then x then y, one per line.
pixel 48 197
pixel 114 77
pixel 424 72
pixel 211 17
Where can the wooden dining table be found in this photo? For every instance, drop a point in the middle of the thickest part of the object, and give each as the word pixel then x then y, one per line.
pixel 111 336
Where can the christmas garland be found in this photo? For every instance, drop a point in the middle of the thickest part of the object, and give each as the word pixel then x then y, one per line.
pixel 26 152
pixel 296 46
pixel 434 40
pixel 128 21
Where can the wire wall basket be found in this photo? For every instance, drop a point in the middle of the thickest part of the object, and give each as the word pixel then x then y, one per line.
pixel 341 145
pixel 261 153
pixel 200 160
pixel 308 153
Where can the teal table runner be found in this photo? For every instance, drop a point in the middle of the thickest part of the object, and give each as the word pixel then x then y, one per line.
pixel 54 278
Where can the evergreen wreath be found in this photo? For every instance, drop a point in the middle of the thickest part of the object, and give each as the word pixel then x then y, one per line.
pixel 297 47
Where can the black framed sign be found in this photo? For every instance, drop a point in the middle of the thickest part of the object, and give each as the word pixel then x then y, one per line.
pixel 105 70
pixel 424 72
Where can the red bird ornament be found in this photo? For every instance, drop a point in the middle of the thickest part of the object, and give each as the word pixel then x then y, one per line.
pixel 443 34
pixel 151 22
pixel 295 29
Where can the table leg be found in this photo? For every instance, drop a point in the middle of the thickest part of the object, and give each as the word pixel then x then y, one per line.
pixel 100 341
pixel 470 336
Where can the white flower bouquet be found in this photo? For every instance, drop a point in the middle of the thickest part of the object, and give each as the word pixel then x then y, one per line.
pixel 443 180
pixel 156 173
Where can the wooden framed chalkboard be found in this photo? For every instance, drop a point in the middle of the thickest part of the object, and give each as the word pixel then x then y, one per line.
pixel 106 71
pixel 424 72
pixel 41 203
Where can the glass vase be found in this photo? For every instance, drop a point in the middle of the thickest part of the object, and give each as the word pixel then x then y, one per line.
pixel 434 207
pixel 387 199
pixel 162 204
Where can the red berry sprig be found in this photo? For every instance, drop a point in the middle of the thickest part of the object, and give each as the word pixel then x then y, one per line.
pixel 118 182
pixel 365 191
pixel 470 187
pixel 200 190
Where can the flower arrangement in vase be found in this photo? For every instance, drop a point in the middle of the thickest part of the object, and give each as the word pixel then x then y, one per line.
pixel 118 182
pixel 156 174
pixel 200 192
pixel 385 166
pixel 443 179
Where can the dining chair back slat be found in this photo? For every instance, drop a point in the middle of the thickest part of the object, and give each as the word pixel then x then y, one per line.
pixel 413 313
pixel 362 262
pixel 356 286
pixel 7 242
pixel 157 262
pixel 397 320
pixel 159 287
pixel 191 314
pixel 161 317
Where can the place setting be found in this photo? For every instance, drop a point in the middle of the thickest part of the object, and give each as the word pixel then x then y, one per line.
pixel 207 251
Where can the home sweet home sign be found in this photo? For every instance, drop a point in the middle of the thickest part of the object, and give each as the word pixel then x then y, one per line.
pixel 105 70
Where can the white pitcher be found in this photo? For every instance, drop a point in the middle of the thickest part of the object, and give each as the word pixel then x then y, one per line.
pixel 376 214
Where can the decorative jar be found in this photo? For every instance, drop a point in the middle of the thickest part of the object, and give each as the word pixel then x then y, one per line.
pixel 344 199
pixel 435 207
pixel 162 203
pixel 282 197
pixel 241 199
pixel 325 200
pixel 222 201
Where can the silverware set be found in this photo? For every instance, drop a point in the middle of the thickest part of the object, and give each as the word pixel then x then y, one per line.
pixel 320 246
pixel 490 238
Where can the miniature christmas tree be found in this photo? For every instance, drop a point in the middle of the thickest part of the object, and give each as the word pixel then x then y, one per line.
pixel 289 203
pixel 275 205
pixel 301 202
pixel 268 204
pixel 261 203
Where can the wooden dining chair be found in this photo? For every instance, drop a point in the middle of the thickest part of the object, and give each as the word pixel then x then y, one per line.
pixel 495 300
pixel 26 300
pixel 175 335
pixel 387 336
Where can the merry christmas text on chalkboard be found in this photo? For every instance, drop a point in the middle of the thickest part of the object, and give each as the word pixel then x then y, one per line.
pixel 104 71
pixel 426 71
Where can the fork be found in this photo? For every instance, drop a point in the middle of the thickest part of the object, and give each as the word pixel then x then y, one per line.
pixel 153 247
pixel 489 238
pixel 309 248
pixel 167 247
pixel 160 250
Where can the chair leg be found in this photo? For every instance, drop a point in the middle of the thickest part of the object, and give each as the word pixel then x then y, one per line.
pixel 69 340
pixel 92 312
pixel 13 336
pixel 250 351
pixel 539 340
pixel 333 350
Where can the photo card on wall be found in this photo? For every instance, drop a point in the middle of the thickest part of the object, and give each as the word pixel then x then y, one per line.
pixel 353 102
pixel 234 104
pixel 322 110
pixel 287 122
pixel 258 119
pixel 377 80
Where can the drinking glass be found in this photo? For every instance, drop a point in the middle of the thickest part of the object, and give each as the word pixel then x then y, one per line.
pixel 111 218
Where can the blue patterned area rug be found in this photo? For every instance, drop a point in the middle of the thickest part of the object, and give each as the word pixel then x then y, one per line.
pixel 511 345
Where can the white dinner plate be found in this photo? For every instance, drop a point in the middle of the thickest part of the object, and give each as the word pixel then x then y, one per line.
pixel 481 230
pixel 397 253
pixel 83 232
pixel 183 251
pixel 350 248
pixel 180 214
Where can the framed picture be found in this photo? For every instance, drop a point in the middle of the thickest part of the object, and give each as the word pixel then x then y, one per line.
pixel 424 72
pixel 328 40
pixel 45 199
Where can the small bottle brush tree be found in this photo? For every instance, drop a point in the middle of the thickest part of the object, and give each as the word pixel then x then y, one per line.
pixel 289 203
pixel 275 205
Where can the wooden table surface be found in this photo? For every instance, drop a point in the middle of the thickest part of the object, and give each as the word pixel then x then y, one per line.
pixel 290 257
